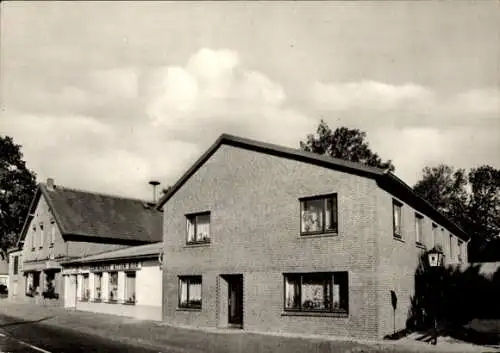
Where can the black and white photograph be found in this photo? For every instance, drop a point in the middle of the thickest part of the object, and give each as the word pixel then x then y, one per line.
pixel 250 176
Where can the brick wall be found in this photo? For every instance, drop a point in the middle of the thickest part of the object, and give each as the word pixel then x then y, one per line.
pixel 255 221
pixel 398 259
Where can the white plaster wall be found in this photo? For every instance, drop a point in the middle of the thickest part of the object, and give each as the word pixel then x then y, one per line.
pixel 149 286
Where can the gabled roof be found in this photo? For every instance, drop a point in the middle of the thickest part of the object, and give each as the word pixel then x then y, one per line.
pixel 132 252
pixel 91 215
pixel 385 179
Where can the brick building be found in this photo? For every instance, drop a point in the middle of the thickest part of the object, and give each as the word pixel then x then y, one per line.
pixel 267 238
pixel 65 224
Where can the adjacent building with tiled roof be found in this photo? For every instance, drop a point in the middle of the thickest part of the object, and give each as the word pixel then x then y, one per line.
pixel 65 223
pixel 273 239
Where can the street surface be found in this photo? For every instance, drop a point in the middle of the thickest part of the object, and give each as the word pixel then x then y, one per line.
pixel 31 337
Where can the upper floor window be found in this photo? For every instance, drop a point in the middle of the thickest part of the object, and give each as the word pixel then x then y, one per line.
pixel 419 221
pixel 318 214
pixel 396 219
pixel 198 228
pixel 52 232
pixel 451 246
pixel 33 239
pixel 434 234
pixel 190 292
pixel 15 269
pixel 316 292
pixel 460 243
pixel 42 236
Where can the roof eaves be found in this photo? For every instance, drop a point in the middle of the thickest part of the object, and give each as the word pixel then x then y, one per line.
pixel 397 182
pixel 111 259
pixel 29 216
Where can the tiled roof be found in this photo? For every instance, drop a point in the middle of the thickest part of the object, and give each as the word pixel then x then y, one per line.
pixel 148 250
pixel 91 215
pixel 384 178
pixel 96 215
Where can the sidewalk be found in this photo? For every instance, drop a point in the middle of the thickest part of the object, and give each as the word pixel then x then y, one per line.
pixel 162 336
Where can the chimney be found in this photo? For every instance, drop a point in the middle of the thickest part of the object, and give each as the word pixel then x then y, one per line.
pixel 50 184
pixel 154 184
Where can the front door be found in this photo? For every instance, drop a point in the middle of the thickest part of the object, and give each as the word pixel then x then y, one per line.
pixel 235 300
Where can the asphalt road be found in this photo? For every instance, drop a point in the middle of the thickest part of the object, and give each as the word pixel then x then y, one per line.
pixel 31 337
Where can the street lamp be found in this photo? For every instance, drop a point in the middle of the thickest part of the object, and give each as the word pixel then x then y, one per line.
pixel 435 258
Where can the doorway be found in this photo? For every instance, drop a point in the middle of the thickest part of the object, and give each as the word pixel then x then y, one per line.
pixel 234 300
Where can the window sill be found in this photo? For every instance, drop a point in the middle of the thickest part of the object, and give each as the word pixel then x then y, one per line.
pixel 128 303
pixel 313 313
pixel 398 238
pixel 188 309
pixel 318 235
pixel 112 301
pixel 197 245
pixel 420 245
pixel 51 245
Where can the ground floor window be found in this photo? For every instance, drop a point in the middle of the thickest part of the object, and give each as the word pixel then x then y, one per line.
pixel 32 284
pixel 50 285
pixel 316 292
pixel 97 286
pixel 190 292
pixel 130 287
pixel 85 295
pixel 113 286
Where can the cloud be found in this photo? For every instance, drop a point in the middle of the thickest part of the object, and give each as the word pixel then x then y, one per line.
pixel 368 94
pixel 214 91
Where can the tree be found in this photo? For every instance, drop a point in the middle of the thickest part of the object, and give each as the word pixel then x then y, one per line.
pixel 471 200
pixel 17 186
pixel 446 190
pixel 343 143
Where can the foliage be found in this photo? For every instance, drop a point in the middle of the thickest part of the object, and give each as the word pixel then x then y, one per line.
pixel 17 186
pixel 471 200
pixel 343 143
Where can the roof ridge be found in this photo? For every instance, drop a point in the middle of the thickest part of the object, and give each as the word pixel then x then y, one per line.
pixel 62 187
pixel 234 138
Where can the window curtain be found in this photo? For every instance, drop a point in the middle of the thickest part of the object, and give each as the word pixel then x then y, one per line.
pixel 195 292
pixel 190 227
pixel 312 215
pixel 314 294
pixel 292 293
pixel 184 293
pixel 202 227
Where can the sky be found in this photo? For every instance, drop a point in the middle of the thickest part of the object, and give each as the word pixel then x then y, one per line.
pixel 105 96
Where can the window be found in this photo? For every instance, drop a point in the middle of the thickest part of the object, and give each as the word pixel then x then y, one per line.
pixel 318 214
pixel 451 247
pixel 190 292
pixel 16 265
pixel 198 228
pixel 85 287
pixel 396 218
pixel 113 286
pixel 52 233
pixel 130 288
pixel 41 236
pixel 419 220
pixel 33 239
pixel 317 292
pixel 97 286
pixel 460 259
pixel 434 234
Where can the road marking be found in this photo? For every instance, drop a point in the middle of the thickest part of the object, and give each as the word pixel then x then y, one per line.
pixel 25 343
